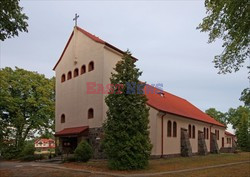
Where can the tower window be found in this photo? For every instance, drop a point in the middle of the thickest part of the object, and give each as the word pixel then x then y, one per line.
pixel 69 75
pixel 62 118
pixel 76 72
pixel 90 113
pixel 91 66
pixel 83 69
pixel 63 78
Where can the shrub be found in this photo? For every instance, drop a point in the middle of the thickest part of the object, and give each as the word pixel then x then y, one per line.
pixel 28 150
pixel 83 152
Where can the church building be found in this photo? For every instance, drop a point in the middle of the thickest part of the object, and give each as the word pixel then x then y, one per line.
pixel 177 127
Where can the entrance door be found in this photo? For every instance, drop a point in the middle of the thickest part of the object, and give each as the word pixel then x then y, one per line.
pixel 223 142
pixel 69 144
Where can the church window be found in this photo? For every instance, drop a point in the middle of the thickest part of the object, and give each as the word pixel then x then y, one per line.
pixel 62 118
pixel 83 69
pixel 76 72
pixel 189 131
pixel 91 66
pixel 63 78
pixel 193 131
pixel 90 113
pixel 169 128
pixel 69 75
pixel 207 134
pixel 174 129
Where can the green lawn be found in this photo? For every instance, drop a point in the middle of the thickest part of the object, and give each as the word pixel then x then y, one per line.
pixel 179 163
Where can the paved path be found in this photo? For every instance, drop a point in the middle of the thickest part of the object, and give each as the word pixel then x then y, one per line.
pixel 92 173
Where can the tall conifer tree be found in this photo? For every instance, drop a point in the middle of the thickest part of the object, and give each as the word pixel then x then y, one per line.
pixel 126 141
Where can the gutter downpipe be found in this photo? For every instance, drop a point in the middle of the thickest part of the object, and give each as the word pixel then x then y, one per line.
pixel 162 136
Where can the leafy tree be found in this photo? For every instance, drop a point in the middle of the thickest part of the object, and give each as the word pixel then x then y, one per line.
pixel 126 143
pixel 245 97
pixel 217 115
pixel 26 104
pixel 240 119
pixel 83 152
pixel 228 20
pixel 12 20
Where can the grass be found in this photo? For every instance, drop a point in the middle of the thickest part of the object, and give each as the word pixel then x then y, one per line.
pixel 170 164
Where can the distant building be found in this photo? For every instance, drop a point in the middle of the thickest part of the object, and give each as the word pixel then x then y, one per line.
pixel 177 127
pixel 44 144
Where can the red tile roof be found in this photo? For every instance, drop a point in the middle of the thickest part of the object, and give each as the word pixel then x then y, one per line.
pixel 229 134
pixel 170 103
pixel 72 131
pixel 44 140
pixel 93 37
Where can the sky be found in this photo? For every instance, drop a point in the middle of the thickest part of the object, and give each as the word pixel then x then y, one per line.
pixel 161 34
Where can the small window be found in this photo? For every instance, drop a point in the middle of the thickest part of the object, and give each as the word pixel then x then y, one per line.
pixel 63 78
pixel 91 66
pixel 193 131
pixel 207 134
pixel 83 69
pixel 69 75
pixel 174 129
pixel 218 135
pixel 76 72
pixel 169 130
pixel 189 131
pixel 62 118
pixel 90 113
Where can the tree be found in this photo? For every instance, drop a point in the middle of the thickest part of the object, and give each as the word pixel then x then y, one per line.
pixel 26 104
pixel 245 97
pixel 12 20
pixel 217 115
pixel 228 20
pixel 240 119
pixel 126 142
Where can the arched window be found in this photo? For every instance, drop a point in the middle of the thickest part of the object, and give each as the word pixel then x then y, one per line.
pixel 62 118
pixel 63 78
pixel 174 129
pixel 69 75
pixel 190 131
pixel 91 66
pixel 76 72
pixel 193 131
pixel 218 134
pixel 90 113
pixel 207 134
pixel 83 69
pixel 169 129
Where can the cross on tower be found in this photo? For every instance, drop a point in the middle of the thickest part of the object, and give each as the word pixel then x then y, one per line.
pixel 75 19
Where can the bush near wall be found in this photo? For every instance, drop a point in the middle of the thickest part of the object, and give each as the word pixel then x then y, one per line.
pixel 83 152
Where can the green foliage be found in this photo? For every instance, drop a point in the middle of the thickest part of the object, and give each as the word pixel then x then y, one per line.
pixel 83 152
pixel 245 97
pixel 26 104
pixel 240 119
pixel 28 150
pixel 228 20
pixel 9 152
pixel 217 115
pixel 12 20
pixel 126 143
